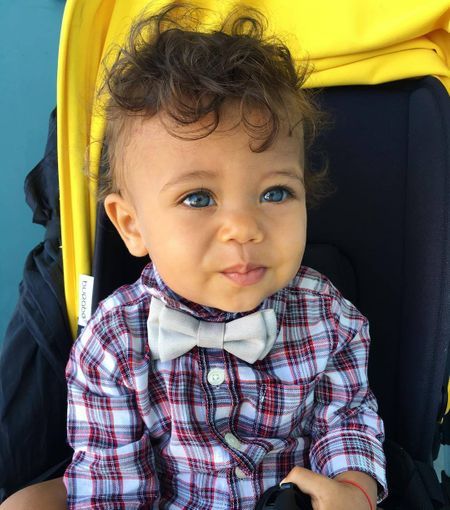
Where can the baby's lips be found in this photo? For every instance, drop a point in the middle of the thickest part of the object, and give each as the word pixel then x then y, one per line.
pixel 242 268
pixel 246 278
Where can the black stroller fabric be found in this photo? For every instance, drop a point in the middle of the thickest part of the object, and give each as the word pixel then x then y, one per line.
pixel 386 234
pixel 382 238
pixel 36 347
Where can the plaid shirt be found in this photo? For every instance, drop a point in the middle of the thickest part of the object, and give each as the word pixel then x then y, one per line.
pixel 208 430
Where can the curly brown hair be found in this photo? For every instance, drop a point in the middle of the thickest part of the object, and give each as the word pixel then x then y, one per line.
pixel 172 64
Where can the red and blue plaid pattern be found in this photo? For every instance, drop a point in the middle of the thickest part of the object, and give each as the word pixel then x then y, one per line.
pixel 208 430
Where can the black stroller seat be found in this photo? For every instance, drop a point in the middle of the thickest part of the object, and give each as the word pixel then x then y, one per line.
pixel 382 238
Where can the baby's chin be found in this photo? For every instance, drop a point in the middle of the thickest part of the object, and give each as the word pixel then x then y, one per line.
pixel 228 305
pixel 229 296
pixel 238 305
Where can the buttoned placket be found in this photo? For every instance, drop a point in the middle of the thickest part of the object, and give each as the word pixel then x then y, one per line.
pixel 220 409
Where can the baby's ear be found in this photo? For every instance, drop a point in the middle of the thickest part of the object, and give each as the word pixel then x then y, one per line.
pixel 123 216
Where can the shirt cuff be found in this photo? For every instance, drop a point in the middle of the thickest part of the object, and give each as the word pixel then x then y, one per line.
pixel 346 450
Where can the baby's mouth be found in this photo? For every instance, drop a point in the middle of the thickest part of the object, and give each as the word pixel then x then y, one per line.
pixel 244 275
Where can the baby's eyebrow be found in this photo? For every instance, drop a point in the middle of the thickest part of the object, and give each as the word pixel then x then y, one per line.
pixel 195 174
pixel 290 173
pixel 203 174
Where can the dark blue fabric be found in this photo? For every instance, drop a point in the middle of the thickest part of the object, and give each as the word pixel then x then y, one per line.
pixel 388 152
pixel 382 238
pixel 35 350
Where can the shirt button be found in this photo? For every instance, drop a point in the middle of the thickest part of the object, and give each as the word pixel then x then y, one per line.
pixel 240 473
pixel 216 376
pixel 232 441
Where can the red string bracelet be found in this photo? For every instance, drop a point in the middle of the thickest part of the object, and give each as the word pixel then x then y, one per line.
pixel 355 484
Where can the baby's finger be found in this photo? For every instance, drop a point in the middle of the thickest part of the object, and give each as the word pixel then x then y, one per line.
pixel 308 482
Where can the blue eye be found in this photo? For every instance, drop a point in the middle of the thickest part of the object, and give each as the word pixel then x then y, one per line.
pixel 198 199
pixel 277 194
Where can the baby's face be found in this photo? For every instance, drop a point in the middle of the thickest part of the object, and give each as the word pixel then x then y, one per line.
pixel 225 226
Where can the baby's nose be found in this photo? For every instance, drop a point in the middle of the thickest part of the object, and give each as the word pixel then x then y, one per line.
pixel 240 225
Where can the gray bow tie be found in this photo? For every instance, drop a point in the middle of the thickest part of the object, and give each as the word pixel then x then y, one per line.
pixel 172 333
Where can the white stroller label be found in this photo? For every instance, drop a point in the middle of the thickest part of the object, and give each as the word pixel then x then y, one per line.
pixel 85 299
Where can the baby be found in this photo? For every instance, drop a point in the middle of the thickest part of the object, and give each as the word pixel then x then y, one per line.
pixel 227 367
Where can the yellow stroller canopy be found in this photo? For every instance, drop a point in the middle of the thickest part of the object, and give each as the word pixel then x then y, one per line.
pixel 347 42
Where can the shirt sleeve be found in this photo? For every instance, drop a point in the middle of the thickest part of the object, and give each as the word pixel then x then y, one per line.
pixel 113 463
pixel 347 433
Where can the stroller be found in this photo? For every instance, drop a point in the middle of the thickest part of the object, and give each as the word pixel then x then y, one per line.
pixel 382 238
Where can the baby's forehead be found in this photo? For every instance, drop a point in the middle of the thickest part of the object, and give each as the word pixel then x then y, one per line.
pixel 162 128
pixel 167 150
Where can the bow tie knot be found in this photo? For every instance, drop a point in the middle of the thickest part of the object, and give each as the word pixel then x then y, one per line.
pixel 172 333
pixel 211 334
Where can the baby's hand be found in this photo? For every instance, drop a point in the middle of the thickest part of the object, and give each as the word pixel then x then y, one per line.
pixel 329 494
